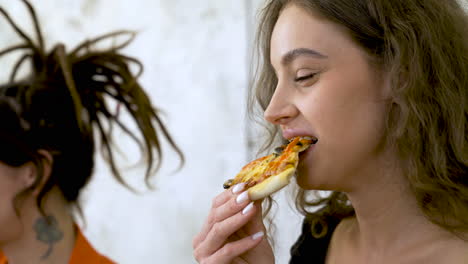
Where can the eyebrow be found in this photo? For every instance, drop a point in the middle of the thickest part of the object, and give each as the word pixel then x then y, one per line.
pixel 295 53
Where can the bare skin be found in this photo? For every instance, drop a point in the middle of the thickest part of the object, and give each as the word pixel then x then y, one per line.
pixel 327 88
pixel 233 231
pixel 32 237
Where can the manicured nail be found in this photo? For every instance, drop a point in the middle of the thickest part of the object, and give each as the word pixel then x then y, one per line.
pixel 242 197
pixel 238 187
pixel 257 235
pixel 247 208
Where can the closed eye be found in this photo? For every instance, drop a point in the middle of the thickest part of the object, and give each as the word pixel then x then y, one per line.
pixel 306 77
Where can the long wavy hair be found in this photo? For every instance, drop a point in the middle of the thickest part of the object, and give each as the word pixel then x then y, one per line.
pixel 423 45
pixel 63 107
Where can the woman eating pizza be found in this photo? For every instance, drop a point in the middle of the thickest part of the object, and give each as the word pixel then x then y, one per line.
pixel 51 123
pixel 383 88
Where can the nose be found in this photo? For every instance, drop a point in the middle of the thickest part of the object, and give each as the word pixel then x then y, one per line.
pixel 281 108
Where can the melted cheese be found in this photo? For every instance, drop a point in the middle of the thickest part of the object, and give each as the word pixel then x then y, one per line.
pixel 263 168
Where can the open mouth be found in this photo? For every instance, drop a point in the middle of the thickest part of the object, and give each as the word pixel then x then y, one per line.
pixel 303 153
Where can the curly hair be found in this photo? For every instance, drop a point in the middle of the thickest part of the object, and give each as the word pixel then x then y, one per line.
pixel 64 104
pixel 423 45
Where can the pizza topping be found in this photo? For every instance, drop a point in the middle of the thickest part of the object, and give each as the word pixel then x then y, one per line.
pixel 227 184
pixel 312 139
pixel 284 157
pixel 279 150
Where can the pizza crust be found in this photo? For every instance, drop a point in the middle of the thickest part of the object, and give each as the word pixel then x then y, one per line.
pixel 269 174
pixel 271 184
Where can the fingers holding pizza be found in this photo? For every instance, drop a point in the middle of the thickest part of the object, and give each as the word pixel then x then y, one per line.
pixel 269 174
pixel 234 230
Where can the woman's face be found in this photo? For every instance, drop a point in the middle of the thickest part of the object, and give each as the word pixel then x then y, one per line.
pixel 327 89
pixel 12 182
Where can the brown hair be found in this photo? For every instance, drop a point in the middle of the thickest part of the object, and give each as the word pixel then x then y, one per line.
pixel 64 103
pixel 423 45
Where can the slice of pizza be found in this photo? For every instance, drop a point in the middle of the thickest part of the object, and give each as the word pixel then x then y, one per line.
pixel 268 174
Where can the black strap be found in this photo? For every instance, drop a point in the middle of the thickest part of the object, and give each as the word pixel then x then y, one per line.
pixel 309 249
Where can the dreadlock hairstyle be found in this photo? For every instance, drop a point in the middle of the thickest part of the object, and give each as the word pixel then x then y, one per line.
pixel 63 104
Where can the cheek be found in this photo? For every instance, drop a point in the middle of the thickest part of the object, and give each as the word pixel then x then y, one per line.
pixel 354 127
pixel 350 123
pixel 346 107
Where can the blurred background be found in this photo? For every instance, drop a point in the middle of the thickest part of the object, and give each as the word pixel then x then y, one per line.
pixel 198 59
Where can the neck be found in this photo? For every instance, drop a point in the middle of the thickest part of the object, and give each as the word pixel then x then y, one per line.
pixel 46 239
pixel 388 219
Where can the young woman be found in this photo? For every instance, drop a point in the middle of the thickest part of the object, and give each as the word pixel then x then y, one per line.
pixel 49 124
pixel 383 85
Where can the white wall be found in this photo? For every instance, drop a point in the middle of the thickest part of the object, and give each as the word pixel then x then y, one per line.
pixel 196 57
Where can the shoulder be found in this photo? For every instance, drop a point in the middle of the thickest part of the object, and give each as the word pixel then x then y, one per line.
pixel 2 258
pixel 85 253
pixel 341 242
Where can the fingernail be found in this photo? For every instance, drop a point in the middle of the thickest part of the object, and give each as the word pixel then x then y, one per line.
pixel 247 208
pixel 242 197
pixel 257 235
pixel 238 187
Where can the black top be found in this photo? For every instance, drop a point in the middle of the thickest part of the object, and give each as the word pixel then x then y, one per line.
pixel 309 249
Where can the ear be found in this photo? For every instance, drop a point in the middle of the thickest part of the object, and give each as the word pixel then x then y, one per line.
pixel 32 171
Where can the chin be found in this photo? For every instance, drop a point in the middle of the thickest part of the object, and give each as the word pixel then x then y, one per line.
pixel 306 181
pixel 309 180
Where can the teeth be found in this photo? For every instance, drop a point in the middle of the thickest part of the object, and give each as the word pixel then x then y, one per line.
pixel 313 139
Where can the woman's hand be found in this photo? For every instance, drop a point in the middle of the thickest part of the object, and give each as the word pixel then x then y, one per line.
pixel 233 232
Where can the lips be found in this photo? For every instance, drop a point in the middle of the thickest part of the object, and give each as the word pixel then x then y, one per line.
pixel 311 138
pixel 289 133
pixel 303 153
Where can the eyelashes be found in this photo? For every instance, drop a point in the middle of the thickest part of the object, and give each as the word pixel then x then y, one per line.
pixel 305 77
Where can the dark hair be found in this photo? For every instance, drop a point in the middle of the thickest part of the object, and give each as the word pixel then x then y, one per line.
pixel 423 46
pixel 65 102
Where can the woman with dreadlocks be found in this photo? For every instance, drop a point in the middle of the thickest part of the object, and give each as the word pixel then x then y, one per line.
pixel 48 123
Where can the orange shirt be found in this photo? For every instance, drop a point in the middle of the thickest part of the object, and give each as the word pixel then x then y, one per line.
pixel 82 253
